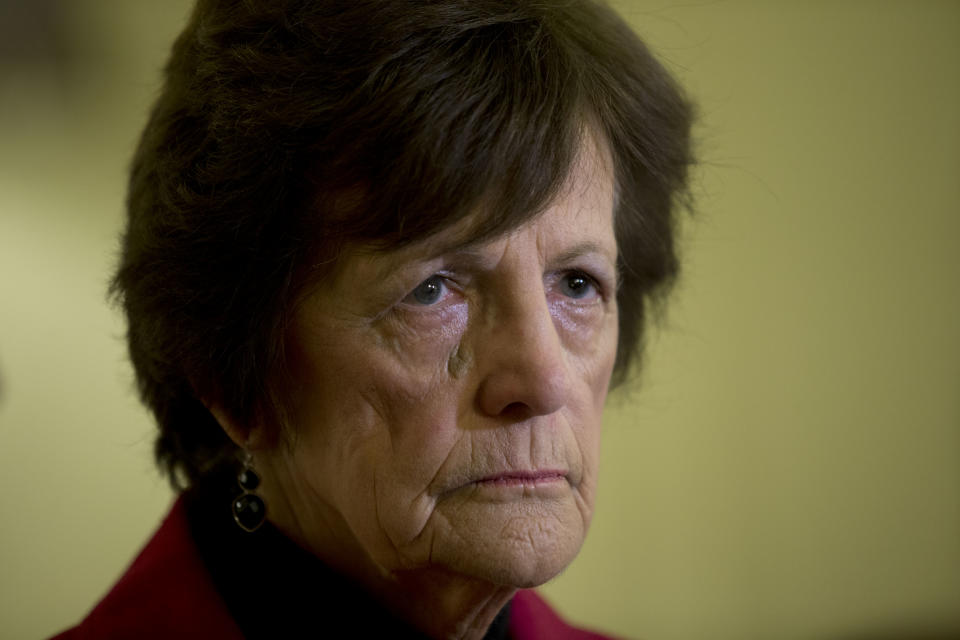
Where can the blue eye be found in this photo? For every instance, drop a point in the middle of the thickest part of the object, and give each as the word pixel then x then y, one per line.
pixel 577 285
pixel 428 292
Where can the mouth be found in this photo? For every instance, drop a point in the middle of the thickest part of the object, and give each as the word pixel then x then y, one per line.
pixel 522 478
pixel 513 484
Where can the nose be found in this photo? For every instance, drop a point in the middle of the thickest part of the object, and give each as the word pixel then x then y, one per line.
pixel 526 373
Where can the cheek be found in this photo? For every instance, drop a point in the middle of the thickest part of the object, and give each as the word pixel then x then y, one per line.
pixel 422 339
pixel 410 374
pixel 606 356
pixel 375 375
pixel 588 331
pixel 589 334
pixel 592 362
pixel 379 419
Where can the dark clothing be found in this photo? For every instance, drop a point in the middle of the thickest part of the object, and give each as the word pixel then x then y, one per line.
pixel 201 576
pixel 274 589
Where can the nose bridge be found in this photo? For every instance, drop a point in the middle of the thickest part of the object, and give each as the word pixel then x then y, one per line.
pixel 526 313
pixel 527 370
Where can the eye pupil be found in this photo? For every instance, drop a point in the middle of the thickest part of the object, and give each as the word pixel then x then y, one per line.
pixel 429 291
pixel 577 286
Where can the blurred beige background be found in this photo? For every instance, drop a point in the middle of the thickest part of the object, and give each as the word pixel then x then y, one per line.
pixel 789 464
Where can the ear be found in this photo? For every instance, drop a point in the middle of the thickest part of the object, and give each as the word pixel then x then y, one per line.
pixel 250 438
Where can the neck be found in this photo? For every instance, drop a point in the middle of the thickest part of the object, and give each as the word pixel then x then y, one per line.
pixel 444 604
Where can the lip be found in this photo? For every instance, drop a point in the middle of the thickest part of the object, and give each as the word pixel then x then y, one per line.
pixel 526 478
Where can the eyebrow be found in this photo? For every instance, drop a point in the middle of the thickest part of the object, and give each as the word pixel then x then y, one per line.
pixel 471 252
pixel 583 249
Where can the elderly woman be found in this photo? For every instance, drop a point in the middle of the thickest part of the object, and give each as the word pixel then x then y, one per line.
pixel 382 260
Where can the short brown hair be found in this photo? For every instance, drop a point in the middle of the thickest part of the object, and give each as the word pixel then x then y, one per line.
pixel 286 128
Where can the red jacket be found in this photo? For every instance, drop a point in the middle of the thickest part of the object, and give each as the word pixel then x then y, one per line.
pixel 168 593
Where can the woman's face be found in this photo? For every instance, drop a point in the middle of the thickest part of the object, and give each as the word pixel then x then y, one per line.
pixel 448 396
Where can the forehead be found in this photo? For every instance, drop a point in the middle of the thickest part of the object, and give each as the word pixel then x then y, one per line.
pixel 579 216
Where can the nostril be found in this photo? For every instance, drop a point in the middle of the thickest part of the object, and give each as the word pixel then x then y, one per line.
pixel 516 410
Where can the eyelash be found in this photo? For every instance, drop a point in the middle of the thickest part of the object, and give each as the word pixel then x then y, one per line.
pixel 443 281
pixel 434 280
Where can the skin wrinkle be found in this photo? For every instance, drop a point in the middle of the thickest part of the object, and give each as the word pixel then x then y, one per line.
pixel 477 614
pixel 458 363
pixel 404 409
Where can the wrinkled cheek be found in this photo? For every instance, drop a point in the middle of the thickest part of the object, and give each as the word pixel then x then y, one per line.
pixel 600 371
pixel 405 523
pixel 422 423
pixel 416 355
pixel 604 359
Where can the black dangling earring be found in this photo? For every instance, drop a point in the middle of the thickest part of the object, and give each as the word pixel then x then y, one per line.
pixel 249 509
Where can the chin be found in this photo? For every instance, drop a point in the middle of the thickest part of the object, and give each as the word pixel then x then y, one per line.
pixel 520 550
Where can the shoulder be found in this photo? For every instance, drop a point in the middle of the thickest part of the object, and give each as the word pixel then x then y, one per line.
pixel 166 592
pixel 531 617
